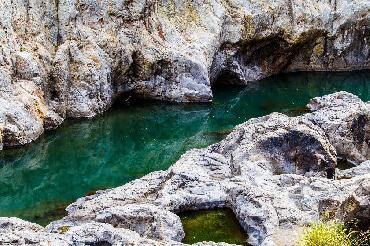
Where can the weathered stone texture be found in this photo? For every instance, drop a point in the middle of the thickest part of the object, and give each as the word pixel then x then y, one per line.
pixel 72 58
pixel 277 173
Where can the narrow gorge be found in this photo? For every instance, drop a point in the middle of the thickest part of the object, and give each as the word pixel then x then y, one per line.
pixel 251 114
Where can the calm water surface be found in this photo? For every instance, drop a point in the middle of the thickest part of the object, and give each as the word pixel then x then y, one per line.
pixel 37 181
pixel 219 225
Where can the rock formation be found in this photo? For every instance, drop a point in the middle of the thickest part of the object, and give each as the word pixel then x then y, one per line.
pixel 351 139
pixel 277 173
pixel 70 58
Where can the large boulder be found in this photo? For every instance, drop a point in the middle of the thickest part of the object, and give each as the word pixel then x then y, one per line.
pixel 15 231
pixel 279 144
pixel 345 119
pixel 22 116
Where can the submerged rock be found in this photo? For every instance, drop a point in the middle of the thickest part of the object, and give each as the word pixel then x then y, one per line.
pixel 64 58
pixel 271 171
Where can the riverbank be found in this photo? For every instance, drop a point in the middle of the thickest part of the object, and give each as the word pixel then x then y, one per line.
pixel 275 172
pixel 39 180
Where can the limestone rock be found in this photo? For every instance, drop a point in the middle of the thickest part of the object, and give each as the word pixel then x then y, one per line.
pixel 84 55
pixel 145 219
pixel 105 234
pixel 361 169
pixel 14 231
pixel 346 121
pixel 267 37
pixel 270 171
pixel 52 120
pixel 82 73
pixel 22 117
pixel 279 144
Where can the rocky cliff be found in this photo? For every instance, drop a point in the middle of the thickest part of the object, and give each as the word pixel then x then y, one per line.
pixel 277 173
pixel 74 58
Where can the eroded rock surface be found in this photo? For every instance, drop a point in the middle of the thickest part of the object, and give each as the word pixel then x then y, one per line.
pixel 72 58
pixel 14 231
pixel 346 121
pixel 355 171
pixel 146 219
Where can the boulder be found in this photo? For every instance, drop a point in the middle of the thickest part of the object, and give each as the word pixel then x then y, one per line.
pixel 345 119
pixel 147 220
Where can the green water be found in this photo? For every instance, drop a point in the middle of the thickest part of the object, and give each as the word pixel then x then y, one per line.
pixel 37 181
pixel 218 225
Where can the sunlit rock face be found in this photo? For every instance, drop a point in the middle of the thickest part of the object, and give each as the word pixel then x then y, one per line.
pixel 351 139
pixel 272 171
pixel 14 231
pixel 68 58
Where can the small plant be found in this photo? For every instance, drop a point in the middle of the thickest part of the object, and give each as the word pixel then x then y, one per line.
pixel 63 229
pixel 333 233
pixel 326 234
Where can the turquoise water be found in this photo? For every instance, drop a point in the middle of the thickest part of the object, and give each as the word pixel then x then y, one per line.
pixel 37 181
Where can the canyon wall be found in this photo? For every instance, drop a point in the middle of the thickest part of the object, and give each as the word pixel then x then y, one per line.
pixel 74 58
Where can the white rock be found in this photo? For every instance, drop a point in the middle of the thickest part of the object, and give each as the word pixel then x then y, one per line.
pixel 346 121
pixel 83 55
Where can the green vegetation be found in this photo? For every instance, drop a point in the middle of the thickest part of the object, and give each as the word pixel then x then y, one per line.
pixel 219 225
pixel 326 234
pixel 334 234
pixel 63 229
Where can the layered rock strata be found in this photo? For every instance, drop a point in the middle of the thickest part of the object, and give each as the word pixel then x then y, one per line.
pixel 72 58
pixel 277 173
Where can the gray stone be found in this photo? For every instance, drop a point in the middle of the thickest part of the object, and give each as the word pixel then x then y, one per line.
pixel 361 169
pixel 14 231
pixel 1 136
pixel 145 219
pixel 346 121
pixel 83 55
